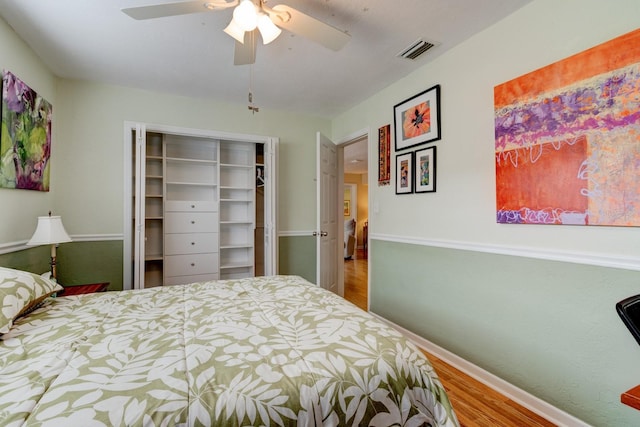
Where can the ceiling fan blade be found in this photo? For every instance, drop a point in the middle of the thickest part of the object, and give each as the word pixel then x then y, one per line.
pixel 179 8
pixel 306 26
pixel 245 54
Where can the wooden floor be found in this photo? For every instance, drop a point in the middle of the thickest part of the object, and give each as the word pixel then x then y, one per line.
pixel 475 404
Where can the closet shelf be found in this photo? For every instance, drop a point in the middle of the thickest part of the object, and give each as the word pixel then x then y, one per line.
pixel 229 187
pixel 192 161
pixel 235 166
pixel 228 266
pixel 199 184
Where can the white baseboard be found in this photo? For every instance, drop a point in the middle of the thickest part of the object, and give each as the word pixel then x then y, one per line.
pixel 527 400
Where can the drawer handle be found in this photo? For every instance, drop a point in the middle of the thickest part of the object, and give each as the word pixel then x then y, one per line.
pixel 193 264
pixel 193 206
pixel 193 222
pixel 193 243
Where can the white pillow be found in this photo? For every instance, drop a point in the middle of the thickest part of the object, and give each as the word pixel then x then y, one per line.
pixel 21 292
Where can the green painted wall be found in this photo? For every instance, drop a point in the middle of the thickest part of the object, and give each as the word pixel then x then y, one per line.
pixel 91 262
pixel 35 260
pixel 548 327
pixel 78 262
pixel 298 256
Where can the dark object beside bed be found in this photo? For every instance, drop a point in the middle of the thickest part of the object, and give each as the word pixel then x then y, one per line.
pixel 629 311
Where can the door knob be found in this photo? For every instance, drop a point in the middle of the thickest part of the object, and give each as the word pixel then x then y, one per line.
pixel 323 234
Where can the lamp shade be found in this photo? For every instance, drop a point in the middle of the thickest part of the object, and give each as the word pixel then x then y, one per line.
pixel 49 231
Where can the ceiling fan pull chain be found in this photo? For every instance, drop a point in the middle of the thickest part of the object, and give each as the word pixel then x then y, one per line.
pixel 251 107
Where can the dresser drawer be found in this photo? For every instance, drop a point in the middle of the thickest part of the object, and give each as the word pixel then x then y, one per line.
pixel 189 265
pixel 183 280
pixel 190 243
pixel 191 222
pixel 186 206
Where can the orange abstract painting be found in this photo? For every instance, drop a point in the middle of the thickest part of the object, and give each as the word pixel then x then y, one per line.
pixel 567 140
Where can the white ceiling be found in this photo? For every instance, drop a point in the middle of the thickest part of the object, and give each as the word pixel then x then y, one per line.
pixel 190 55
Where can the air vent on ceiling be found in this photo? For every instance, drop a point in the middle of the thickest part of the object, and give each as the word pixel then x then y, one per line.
pixel 416 49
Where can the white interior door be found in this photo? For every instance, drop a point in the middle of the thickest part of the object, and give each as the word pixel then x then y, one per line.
pixel 327 214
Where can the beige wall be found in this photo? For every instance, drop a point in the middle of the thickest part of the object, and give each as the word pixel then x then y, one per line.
pixel 463 208
pixel 20 208
pixel 87 186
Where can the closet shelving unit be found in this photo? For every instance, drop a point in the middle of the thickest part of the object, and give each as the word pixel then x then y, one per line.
pixel 191 209
pixel 153 210
pixel 237 209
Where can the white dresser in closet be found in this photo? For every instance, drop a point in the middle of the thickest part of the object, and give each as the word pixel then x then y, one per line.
pixel 191 242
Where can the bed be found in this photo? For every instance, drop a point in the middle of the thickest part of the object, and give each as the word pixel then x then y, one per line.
pixel 264 351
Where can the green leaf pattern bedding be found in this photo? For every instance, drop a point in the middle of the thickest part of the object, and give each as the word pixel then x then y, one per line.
pixel 266 351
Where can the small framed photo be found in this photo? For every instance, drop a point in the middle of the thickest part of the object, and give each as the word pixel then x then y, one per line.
pixel 404 173
pixel 425 167
pixel 417 119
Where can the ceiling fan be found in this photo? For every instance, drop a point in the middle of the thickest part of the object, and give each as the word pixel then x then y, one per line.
pixel 251 17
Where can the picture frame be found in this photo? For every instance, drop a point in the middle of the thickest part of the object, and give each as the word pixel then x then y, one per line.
pixel 384 155
pixel 416 120
pixel 425 170
pixel 404 173
pixel 347 208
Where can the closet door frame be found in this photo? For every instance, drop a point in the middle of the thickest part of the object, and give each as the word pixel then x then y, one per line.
pixel 132 129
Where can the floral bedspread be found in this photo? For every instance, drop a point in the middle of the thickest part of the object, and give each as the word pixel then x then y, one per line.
pixel 264 351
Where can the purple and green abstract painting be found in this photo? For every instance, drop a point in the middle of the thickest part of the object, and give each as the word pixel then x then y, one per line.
pixel 25 140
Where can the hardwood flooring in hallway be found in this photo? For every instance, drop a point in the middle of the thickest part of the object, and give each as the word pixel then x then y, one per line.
pixel 476 405
pixel 356 279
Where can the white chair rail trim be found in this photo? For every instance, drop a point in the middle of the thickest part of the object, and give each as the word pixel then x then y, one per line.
pixel 601 260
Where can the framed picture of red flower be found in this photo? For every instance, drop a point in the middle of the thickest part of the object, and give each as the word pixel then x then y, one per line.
pixel 417 119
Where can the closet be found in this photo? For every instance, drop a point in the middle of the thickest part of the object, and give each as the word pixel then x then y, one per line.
pixel 196 206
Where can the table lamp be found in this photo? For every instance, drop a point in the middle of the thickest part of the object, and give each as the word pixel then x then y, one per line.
pixel 49 231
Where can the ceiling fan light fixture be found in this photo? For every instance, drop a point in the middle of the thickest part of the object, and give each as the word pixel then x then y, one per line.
pixel 234 30
pixel 246 15
pixel 268 30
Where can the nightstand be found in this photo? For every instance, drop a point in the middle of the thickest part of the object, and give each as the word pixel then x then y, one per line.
pixel 84 289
